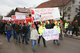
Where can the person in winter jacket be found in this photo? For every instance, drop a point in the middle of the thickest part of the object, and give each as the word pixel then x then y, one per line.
pixel 8 29
pixel 24 34
pixel 34 37
pixel 75 28
pixel 18 31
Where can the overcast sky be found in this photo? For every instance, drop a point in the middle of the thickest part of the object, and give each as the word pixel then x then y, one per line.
pixel 7 5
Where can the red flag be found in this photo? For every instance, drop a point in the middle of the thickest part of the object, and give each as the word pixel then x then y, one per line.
pixel 32 12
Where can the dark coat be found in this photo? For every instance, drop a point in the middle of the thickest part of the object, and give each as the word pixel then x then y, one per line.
pixel 18 28
pixel 69 27
pixel 8 27
pixel 24 29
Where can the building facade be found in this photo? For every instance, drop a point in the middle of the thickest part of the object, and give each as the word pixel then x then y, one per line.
pixel 19 11
pixel 71 10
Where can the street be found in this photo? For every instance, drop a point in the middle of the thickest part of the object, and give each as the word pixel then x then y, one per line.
pixel 67 45
pixel 54 24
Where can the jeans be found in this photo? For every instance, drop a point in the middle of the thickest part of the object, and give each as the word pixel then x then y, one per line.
pixel 9 33
pixel 33 44
pixel 25 37
pixel 14 34
pixel 18 37
pixel 28 34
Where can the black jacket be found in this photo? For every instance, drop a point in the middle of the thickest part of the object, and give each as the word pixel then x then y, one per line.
pixel 24 29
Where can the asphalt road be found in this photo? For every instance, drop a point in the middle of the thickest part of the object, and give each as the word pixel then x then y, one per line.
pixel 68 45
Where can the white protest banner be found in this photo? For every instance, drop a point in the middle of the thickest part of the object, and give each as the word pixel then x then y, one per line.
pixel 6 18
pixel 42 14
pixel 18 17
pixel 37 17
pixel 51 34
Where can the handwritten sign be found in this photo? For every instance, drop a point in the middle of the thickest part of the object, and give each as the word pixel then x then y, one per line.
pixel 51 34
pixel 42 14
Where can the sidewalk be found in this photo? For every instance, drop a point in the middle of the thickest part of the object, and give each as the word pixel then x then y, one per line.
pixel 74 36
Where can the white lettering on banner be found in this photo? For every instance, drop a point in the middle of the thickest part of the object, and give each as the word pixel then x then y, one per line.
pixel 47 13
pixel 51 34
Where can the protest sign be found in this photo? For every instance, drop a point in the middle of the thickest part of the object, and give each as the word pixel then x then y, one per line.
pixel 41 14
pixel 51 34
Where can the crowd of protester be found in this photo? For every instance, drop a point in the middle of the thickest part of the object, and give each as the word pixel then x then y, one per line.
pixel 22 32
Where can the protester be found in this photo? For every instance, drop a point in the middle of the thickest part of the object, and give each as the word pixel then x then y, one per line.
pixel 14 30
pixel 69 29
pixel 8 29
pixel 18 33
pixel 34 37
pixel 56 41
pixel 75 28
pixel 24 34
pixel 61 30
pixel 41 32
pixel 28 33
pixel 66 28
pixel 1 27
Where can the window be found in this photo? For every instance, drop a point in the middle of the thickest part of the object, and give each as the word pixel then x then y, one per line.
pixel 76 10
pixel 69 9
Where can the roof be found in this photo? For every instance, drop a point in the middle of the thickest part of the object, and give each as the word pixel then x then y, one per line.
pixel 22 10
pixel 53 3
